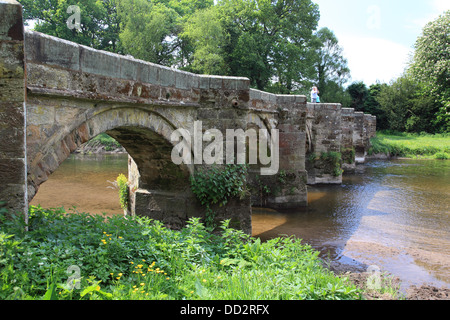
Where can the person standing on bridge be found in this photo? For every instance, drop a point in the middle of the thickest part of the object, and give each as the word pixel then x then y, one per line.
pixel 314 95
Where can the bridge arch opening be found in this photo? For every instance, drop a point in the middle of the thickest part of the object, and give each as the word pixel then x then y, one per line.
pixel 158 187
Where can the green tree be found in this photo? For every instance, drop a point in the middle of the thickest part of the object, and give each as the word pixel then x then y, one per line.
pixel 268 40
pixel 207 37
pixel 431 66
pixel 405 107
pixel 358 92
pixel 147 29
pixel 372 106
pixel 98 21
pixel 331 66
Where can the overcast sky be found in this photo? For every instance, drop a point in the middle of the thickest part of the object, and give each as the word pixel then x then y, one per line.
pixel 378 35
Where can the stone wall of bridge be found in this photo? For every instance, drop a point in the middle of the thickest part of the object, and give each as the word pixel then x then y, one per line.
pixel 12 109
pixel 287 114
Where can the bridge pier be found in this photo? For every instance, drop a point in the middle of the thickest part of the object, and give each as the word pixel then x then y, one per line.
pixel 347 147
pixel 13 166
pixel 323 157
pixel 287 115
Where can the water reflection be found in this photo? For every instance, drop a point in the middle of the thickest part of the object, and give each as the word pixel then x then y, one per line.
pixel 394 214
pixel 82 181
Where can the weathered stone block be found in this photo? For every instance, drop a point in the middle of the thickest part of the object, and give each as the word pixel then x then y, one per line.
pixel 44 49
pixel 12 171
pixel 100 62
pixel 11 26
pixel 167 77
pixel 185 80
pixel 129 68
pixel 148 73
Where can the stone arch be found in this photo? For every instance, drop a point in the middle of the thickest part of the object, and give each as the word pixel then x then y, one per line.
pixel 260 121
pixel 144 134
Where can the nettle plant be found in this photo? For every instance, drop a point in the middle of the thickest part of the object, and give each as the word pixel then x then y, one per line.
pixel 217 185
pixel 121 184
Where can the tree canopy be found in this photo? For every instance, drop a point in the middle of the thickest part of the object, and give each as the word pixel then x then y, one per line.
pixel 272 42
pixel 430 66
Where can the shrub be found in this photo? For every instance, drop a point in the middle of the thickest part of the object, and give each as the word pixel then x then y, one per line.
pixel 218 185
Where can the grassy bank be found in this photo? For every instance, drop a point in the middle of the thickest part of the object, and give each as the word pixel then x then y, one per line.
pixel 140 259
pixel 410 145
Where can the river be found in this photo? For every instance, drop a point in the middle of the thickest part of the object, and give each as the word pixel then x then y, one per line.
pixel 392 215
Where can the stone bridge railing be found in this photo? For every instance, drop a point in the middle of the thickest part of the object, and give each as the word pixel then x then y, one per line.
pixel 55 95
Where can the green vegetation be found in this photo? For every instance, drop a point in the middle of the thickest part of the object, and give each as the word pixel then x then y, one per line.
pixel 331 162
pixel 411 145
pixel 79 256
pixel 122 184
pixel 217 185
pixel 104 140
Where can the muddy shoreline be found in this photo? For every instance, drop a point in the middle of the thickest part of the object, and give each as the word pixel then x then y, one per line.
pixel 363 256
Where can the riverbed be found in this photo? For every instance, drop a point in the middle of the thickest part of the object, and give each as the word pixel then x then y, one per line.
pixel 392 216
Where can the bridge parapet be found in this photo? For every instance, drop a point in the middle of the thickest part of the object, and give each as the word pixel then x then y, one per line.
pixel 59 67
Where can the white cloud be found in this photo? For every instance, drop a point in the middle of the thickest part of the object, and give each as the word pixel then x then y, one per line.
pixel 374 59
pixel 441 5
pixel 438 7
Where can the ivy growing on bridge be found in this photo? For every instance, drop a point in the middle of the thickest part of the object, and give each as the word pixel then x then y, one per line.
pixel 217 185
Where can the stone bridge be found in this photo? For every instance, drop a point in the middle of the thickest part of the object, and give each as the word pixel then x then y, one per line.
pixel 56 95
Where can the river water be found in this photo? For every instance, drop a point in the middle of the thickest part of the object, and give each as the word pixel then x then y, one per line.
pixel 389 215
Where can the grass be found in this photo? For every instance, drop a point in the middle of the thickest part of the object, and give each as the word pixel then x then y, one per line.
pixel 78 256
pixel 410 145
